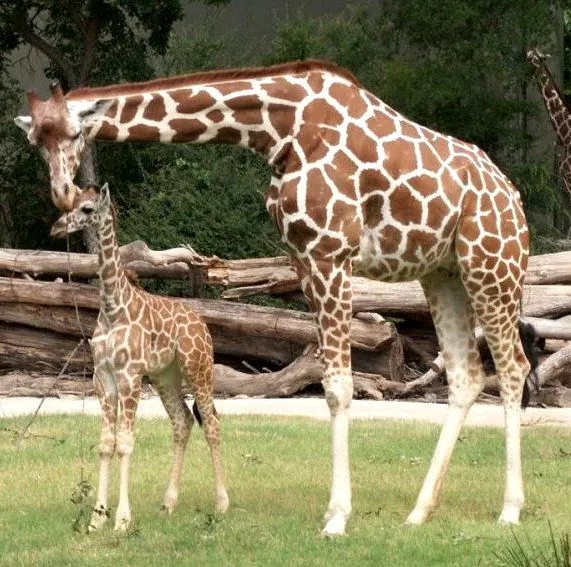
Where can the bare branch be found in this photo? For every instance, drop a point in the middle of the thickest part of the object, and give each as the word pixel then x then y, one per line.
pixel 27 33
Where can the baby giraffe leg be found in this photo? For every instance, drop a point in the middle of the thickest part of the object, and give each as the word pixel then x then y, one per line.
pixel 129 393
pixel 211 425
pixel 106 390
pixel 198 371
pixel 454 323
pixel 168 385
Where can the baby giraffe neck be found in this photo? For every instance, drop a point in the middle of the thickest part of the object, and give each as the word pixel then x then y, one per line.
pixel 111 275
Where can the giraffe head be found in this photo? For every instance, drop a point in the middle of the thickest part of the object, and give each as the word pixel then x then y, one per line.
pixel 91 208
pixel 536 57
pixel 57 128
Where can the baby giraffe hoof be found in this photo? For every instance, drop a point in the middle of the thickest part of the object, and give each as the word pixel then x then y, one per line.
pixel 222 503
pixel 122 524
pixel 98 518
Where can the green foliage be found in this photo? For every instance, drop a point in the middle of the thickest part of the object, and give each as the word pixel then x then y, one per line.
pixel 205 196
pixel 457 66
pixel 23 180
pixel 465 82
pixel 75 35
pixel 210 197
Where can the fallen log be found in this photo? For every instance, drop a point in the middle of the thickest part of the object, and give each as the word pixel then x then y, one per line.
pixel 19 383
pixel 555 367
pixel 404 299
pixel 65 320
pixel 545 269
pixel 301 373
pixel 32 349
pixel 175 263
pixel 240 318
pixel 255 275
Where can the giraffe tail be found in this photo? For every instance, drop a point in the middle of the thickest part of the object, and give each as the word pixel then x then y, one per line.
pixel 528 340
pixel 197 415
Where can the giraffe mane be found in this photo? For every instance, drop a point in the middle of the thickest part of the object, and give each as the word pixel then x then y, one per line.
pixel 215 76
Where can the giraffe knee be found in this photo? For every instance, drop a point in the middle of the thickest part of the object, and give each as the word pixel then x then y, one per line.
pixel 107 446
pixel 338 392
pixel 125 443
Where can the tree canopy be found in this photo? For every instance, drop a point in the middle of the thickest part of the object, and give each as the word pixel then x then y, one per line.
pixel 457 66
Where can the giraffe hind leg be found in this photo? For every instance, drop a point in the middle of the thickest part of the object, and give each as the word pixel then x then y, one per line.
pixel 454 322
pixel 499 323
pixel 168 385
pixel 199 374
pixel 495 294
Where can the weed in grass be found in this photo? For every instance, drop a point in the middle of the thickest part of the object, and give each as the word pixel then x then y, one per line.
pixel 525 554
pixel 80 496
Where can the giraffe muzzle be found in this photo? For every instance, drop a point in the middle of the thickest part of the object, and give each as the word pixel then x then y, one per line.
pixel 64 198
pixel 59 229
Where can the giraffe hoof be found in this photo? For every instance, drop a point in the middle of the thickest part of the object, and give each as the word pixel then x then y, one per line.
pixel 122 524
pixel 98 518
pixel 416 518
pixel 335 527
pixel 509 515
pixel 222 504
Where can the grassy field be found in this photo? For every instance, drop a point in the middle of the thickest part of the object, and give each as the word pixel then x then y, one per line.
pixel 278 477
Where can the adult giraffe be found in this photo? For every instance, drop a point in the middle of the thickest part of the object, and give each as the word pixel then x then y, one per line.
pixel 354 184
pixel 557 109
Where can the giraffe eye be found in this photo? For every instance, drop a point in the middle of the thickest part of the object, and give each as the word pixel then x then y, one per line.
pixel 76 137
pixel 87 209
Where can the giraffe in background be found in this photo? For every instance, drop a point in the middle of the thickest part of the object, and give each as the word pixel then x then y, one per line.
pixel 355 187
pixel 139 334
pixel 557 109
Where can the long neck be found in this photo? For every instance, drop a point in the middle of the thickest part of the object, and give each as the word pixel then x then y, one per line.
pixel 113 280
pixel 554 102
pixel 259 114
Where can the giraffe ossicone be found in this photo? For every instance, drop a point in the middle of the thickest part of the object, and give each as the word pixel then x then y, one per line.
pixel 139 334
pixel 355 186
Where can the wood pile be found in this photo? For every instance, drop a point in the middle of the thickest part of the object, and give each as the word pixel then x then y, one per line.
pixel 261 351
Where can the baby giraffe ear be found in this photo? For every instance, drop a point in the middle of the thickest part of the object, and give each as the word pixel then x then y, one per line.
pixel 24 122
pixel 104 195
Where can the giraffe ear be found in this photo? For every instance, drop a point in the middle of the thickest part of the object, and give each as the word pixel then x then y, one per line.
pixel 90 110
pixel 24 122
pixel 104 196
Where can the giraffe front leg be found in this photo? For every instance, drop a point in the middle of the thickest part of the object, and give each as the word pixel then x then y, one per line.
pixel 129 393
pixel 107 393
pixel 330 295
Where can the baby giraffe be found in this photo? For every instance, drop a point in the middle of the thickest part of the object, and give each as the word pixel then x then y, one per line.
pixel 138 334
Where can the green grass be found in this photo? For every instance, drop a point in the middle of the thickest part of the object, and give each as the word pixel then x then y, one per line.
pixel 278 473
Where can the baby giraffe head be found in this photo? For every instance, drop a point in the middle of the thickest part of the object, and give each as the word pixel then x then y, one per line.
pixel 91 208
